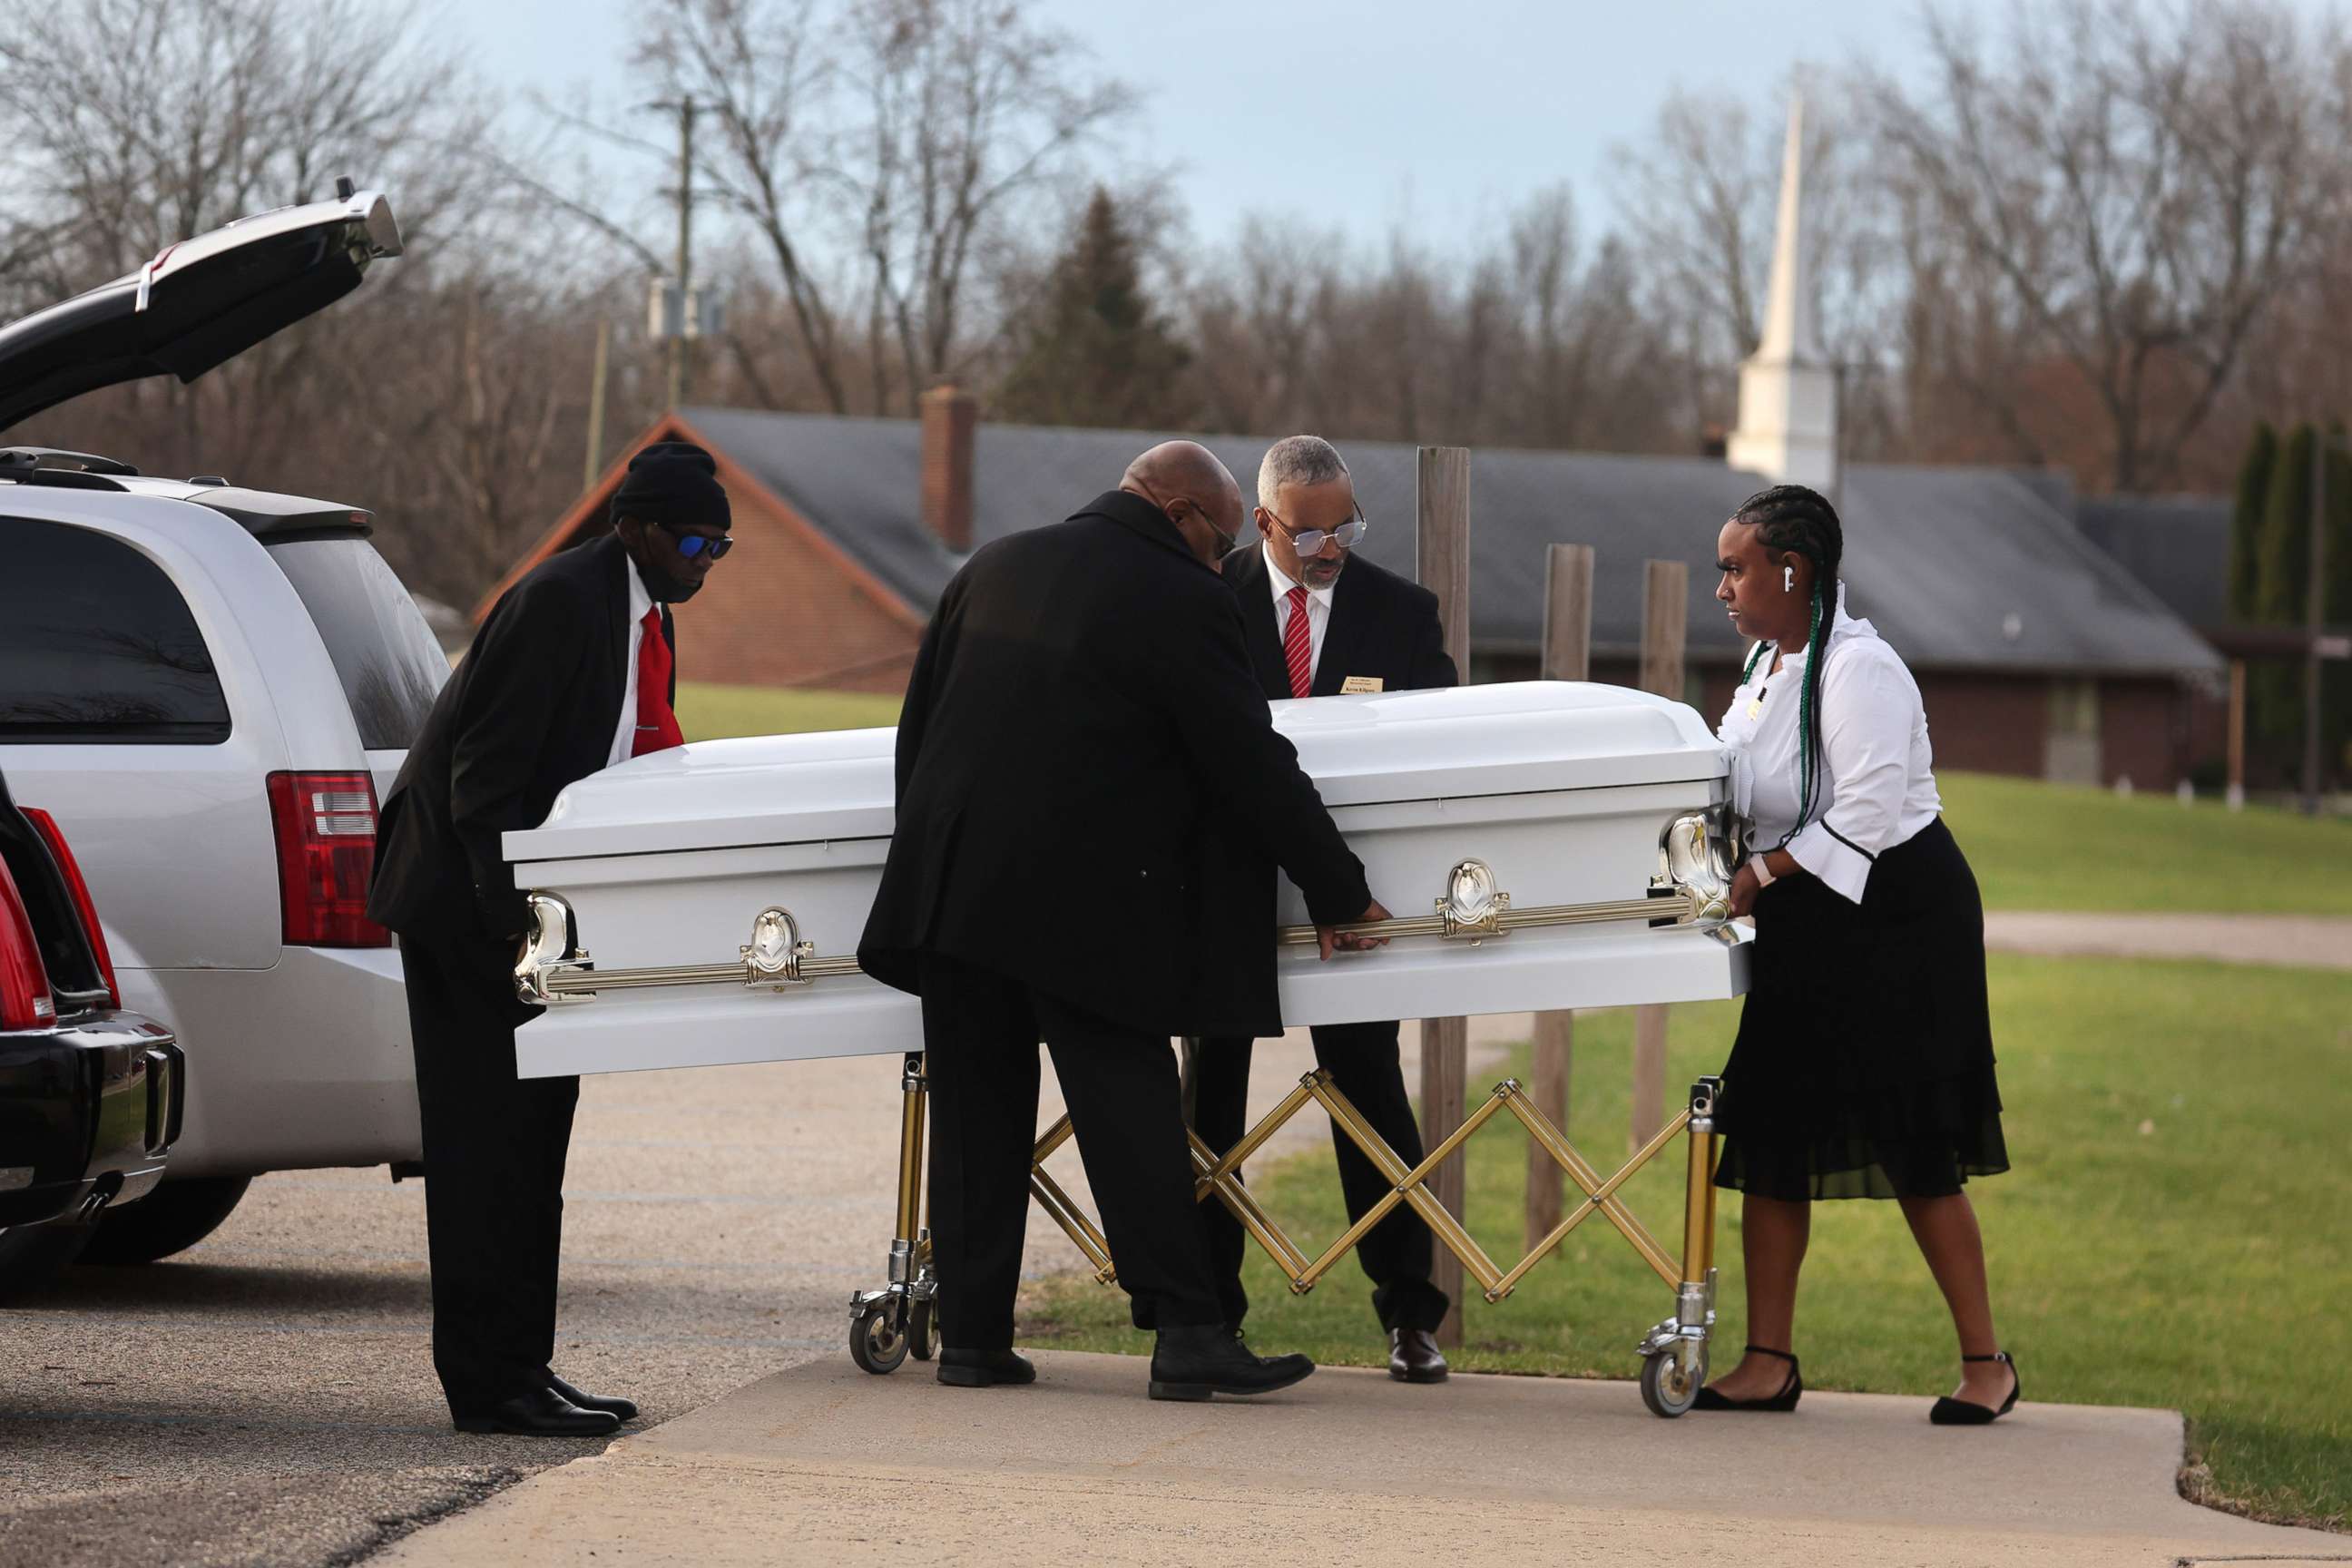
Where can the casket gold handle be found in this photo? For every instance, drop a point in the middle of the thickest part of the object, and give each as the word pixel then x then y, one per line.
pixel 774 959
pixel 1692 888
pixel 774 954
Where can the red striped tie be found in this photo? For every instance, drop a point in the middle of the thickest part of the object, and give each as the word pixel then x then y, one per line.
pixel 1296 650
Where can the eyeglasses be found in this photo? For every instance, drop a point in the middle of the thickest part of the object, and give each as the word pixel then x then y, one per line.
pixel 1347 536
pixel 693 545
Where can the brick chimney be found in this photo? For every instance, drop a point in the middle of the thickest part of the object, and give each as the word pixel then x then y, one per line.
pixel 948 416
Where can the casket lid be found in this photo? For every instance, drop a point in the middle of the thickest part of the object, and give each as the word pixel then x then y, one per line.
pixel 1514 738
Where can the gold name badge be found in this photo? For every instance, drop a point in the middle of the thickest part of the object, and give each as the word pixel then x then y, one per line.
pixel 1360 683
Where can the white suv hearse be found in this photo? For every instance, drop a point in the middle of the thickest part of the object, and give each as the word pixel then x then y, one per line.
pixel 208 688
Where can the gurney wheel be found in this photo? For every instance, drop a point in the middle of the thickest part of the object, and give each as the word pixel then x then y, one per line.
pixel 1668 1387
pixel 922 1330
pixel 877 1343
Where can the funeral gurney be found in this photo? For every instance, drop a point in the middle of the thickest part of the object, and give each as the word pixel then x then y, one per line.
pixel 1571 844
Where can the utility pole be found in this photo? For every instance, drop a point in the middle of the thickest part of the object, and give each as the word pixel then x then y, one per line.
pixel 595 460
pixel 2312 603
pixel 682 346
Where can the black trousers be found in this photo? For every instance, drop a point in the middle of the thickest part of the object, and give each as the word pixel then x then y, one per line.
pixel 979 1038
pixel 1397 1253
pixel 494 1151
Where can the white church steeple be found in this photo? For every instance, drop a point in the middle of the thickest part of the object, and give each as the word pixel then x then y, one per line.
pixel 1788 389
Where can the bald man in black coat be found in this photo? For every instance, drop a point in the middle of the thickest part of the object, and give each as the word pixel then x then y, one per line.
pixel 1081 712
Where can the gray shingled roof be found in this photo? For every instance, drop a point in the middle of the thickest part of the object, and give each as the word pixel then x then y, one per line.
pixel 2177 545
pixel 1960 568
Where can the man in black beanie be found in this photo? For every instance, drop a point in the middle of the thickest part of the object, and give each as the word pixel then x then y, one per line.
pixel 571 673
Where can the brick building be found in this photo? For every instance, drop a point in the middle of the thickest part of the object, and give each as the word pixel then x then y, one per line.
pixel 2037 653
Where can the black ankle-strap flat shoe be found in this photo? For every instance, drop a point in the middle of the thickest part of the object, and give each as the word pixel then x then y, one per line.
pixel 1950 1412
pixel 1786 1400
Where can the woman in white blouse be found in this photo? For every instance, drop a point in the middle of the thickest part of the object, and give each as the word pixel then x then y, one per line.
pixel 1864 1067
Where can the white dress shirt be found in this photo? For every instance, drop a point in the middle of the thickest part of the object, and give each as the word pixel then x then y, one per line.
pixel 624 736
pixel 1878 787
pixel 1318 610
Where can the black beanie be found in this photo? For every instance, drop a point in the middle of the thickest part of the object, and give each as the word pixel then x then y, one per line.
pixel 675 482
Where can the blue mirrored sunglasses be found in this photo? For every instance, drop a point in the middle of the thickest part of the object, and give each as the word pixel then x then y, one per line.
pixel 693 545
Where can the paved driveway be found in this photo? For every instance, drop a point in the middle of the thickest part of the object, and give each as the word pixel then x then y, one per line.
pixel 824 1465
pixel 268 1397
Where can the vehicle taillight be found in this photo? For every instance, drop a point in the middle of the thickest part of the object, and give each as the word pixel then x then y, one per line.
pixel 326 857
pixel 46 826
pixel 24 999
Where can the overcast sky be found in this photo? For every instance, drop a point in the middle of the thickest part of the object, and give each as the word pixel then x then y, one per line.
pixel 1355 114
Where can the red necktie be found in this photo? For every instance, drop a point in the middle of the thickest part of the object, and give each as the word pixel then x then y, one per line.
pixel 657 727
pixel 1297 652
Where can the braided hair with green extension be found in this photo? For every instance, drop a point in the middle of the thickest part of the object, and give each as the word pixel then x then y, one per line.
pixel 1800 521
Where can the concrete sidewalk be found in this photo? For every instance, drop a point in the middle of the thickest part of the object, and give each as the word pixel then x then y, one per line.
pixel 2297 941
pixel 827 1464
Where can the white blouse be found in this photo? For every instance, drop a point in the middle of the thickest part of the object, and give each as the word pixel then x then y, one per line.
pixel 1879 788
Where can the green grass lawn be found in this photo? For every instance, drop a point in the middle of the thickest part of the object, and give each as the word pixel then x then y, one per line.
pixel 708 712
pixel 2176 1229
pixel 2049 847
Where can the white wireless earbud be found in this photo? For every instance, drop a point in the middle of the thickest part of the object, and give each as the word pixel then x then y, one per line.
pixel 1788 579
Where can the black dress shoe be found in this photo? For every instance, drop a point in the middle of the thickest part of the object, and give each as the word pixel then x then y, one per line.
pixel 540 1413
pixel 1781 1403
pixel 985 1369
pixel 1198 1360
pixel 1950 1412
pixel 1413 1356
pixel 622 1409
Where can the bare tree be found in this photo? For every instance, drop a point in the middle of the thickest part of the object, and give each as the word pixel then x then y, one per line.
pixel 900 133
pixel 970 107
pixel 2122 191
pixel 1519 341
pixel 1700 194
pixel 762 70
pixel 136 123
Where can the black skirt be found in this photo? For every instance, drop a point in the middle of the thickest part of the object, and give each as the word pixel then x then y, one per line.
pixel 1864 1067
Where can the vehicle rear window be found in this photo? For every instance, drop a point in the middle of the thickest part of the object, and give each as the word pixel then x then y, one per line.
pixel 96 644
pixel 385 653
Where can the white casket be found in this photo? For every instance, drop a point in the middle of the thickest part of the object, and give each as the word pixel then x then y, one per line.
pixel 1542 845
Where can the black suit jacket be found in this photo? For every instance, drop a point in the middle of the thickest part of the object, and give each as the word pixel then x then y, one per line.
pixel 1081 714
pixel 1381 624
pixel 532 707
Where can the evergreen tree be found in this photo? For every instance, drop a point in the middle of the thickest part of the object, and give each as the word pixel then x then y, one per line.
pixel 2336 610
pixel 2283 554
pixel 2246 520
pixel 1094 350
pixel 2282 566
pixel 2336 597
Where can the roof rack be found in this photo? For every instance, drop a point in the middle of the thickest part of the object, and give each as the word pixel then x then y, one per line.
pixel 66 470
pixel 59 458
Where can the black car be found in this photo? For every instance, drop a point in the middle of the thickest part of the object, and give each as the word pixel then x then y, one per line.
pixel 91 1095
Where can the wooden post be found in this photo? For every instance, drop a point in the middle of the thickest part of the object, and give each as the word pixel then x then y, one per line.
pixel 1665 617
pixel 1567 656
pixel 2237 792
pixel 1554 1050
pixel 1568 613
pixel 1445 520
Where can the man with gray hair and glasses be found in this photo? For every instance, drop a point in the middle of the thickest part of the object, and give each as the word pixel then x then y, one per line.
pixel 1322 621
